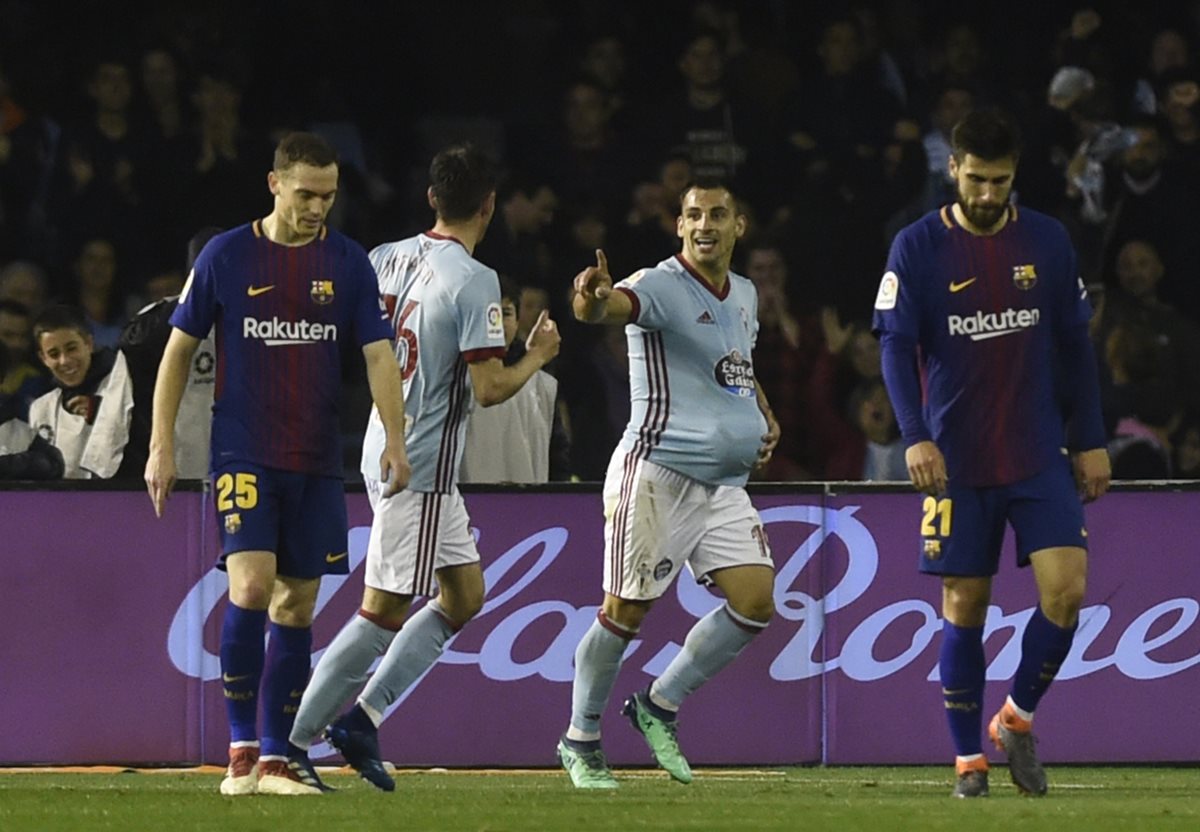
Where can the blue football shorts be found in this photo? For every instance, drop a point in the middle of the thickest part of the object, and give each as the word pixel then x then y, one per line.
pixel 299 517
pixel 962 531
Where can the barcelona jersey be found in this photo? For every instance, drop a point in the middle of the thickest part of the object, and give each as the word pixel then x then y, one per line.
pixel 985 312
pixel 282 314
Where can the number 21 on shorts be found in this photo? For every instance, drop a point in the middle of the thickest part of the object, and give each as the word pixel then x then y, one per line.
pixel 939 509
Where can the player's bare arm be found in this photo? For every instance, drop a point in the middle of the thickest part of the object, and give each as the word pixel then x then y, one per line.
pixel 926 467
pixel 1093 472
pixel 383 376
pixel 493 382
pixel 168 392
pixel 771 438
pixel 595 302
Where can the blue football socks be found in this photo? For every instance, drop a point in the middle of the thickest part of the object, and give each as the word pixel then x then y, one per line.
pixel 242 668
pixel 963 670
pixel 1044 648
pixel 284 678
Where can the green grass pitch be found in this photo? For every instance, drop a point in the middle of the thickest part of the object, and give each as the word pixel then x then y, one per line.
pixel 875 799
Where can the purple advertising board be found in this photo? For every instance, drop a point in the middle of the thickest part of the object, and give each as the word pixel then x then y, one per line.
pixel 109 627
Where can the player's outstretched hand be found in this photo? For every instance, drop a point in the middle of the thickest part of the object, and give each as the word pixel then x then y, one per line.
pixel 1093 473
pixel 926 467
pixel 544 339
pixel 394 470
pixel 769 440
pixel 594 282
pixel 160 479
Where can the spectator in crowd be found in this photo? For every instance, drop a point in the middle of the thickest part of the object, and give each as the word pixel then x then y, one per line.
pixel 648 233
pixel 25 151
pixel 522 439
pixel 97 291
pixel 784 355
pixel 1169 50
pixel 516 246
pixel 850 356
pixel 1179 103
pixel 588 162
pixel 950 105
pixel 879 455
pixel 23 454
pixel 25 380
pixel 1135 300
pixel 88 413
pixel 1140 446
pixel 702 122
pixel 142 342
pixel 1147 190
pixel 97 190
pixel 26 283
pixel 226 177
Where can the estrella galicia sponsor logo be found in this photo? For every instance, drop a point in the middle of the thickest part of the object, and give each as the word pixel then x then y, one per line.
pixel 734 373
pixel 982 326
pixel 662 569
pixel 276 333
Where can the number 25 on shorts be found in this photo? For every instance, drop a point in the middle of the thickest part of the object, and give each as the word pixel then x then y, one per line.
pixel 243 487
pixel 939 509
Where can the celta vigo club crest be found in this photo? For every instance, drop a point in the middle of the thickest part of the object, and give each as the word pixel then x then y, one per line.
pixel 1024 276
pixel 322 291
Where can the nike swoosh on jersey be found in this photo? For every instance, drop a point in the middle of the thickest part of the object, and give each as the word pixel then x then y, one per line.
pixel 227 678
pixel 255 291
pixel 334 558
pixel 958 287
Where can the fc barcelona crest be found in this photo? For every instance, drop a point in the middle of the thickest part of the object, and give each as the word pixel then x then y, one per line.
pixel 233 523
pixel 322 291
pixel 1024 276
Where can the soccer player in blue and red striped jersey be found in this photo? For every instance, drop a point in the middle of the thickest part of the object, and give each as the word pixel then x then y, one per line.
pixel 982 307
pixel 285 294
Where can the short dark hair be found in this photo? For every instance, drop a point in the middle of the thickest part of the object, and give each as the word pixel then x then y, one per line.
pixel 707 183
pixel 510 289
pixel 59 316
pixel 304 148
pixel 14 308
pixel 988 133
pixel 461 177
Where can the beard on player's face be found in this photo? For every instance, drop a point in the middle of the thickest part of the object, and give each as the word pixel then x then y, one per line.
pixel 980 214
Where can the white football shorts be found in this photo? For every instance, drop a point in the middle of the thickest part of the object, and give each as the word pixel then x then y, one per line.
pixel 656 520
pixel 414 534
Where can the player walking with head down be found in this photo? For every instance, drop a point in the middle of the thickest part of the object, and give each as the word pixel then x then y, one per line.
pixel 445 308
pixel 993 300
pixel 674 493
pixel 285 293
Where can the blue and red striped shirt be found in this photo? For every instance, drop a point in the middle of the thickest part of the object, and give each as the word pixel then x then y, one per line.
pixel 281 315
pixel 990 316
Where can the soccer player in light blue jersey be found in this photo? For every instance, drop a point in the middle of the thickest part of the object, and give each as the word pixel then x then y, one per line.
pixel 675 490
pixel 444 306
pixel 286 294
pixel 982 304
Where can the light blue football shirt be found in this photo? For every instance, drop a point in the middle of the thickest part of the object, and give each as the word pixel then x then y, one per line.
pixel 694 404
pixel 445 309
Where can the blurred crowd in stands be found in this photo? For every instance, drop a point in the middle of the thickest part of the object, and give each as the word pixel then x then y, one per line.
pixel 831 120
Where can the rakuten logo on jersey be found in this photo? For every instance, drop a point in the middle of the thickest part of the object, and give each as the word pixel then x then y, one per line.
pixel 277 333
pixel 981 326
